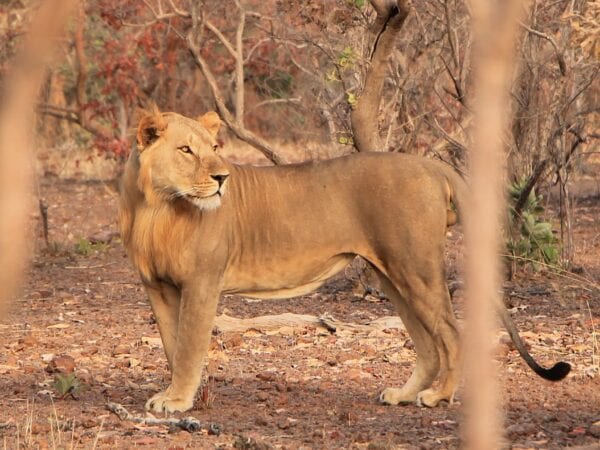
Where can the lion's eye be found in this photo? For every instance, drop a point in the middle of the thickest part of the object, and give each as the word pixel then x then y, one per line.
pixel 185 149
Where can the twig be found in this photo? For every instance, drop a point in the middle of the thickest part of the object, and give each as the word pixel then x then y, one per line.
pixel 559 56
pixel 463 149
pixel 595 347
pixel 238 129
pixel 591 284
pixel 189 424
pixel 98 435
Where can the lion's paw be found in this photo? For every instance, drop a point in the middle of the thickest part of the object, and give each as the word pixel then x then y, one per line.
pixel 166 402
pixel 394 396
pixel 431 398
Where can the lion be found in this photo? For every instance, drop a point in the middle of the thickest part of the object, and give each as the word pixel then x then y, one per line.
pixel 197 226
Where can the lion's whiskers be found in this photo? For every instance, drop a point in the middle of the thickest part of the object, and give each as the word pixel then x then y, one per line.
pixel 179 193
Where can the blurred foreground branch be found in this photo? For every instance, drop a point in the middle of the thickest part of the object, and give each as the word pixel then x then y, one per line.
pixel 16 122
pixel 494 29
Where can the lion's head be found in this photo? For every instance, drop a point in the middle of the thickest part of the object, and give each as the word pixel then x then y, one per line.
pixel 178 159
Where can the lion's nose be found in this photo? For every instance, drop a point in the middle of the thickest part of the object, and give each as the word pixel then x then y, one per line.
pixel 220 178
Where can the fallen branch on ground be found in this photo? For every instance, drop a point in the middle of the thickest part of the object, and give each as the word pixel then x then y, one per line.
pixel 225 323
pixel 189 424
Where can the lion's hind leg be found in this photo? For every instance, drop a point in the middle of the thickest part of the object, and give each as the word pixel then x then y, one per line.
pixel 428 363
pixel 430 302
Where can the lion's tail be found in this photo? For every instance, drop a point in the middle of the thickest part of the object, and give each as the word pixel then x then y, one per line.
pixel 556 373
pixel 458 196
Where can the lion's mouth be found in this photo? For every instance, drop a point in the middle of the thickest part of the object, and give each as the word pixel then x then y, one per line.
pixel 194 197
pixel 205 202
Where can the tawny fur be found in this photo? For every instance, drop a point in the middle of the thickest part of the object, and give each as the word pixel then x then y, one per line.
pixel 197 226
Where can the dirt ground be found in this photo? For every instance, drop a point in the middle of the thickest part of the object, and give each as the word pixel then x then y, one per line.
pixel 83 309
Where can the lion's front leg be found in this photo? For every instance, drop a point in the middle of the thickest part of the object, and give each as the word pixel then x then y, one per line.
pixel 196 317
pixel 164 300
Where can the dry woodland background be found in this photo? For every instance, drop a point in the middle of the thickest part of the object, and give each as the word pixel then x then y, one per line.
pixel 288 78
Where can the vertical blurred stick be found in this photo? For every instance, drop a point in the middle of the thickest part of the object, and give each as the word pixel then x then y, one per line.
pixel 494 26
pixel 18 96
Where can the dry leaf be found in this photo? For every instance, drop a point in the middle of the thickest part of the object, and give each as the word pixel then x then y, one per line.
pixel 61 364
pixel 152 341
pixel 59 326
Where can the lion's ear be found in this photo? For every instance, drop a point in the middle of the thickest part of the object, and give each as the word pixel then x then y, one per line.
pixel 150 128
pixel 211 122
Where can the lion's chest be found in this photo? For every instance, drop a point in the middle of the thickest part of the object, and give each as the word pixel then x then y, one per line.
pixel 159 244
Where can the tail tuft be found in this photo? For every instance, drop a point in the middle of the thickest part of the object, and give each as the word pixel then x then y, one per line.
pixel 556 373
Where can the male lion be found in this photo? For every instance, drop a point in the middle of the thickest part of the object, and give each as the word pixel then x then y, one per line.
pixel 197 226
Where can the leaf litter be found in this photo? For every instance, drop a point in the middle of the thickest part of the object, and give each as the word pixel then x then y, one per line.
pixel 318 381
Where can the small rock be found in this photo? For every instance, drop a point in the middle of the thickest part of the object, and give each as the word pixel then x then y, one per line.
pixel 262 396
pixel 266 376
pixel 283 424
pixel 89 423
pixel 356 374
pixel 104 236
pixel 89 351
pixel 261 422
pixel 121 350
pixel 521 429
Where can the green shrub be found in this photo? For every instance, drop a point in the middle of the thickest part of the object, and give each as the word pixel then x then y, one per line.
pixel 535 240
pixel 67 384
pixel 86 248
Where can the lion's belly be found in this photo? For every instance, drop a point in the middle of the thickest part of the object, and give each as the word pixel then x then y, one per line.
pixel 300 279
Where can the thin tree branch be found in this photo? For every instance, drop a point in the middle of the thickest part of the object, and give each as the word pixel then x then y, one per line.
pixel 178 11
pixel 272 101
pixel 239 66
pixel 228 45
pixel 237 128
pixel 559 56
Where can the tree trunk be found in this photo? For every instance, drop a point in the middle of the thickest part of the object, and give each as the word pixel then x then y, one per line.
pixel 364 117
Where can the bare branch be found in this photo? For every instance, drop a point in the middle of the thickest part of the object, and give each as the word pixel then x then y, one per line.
pixel 451 33
pixel 272 101
pixel 82 65
pixel 178 11
pixel 449 139
pixel 559 56
pixel 237 128
pixel 239 66
pixel 221 37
